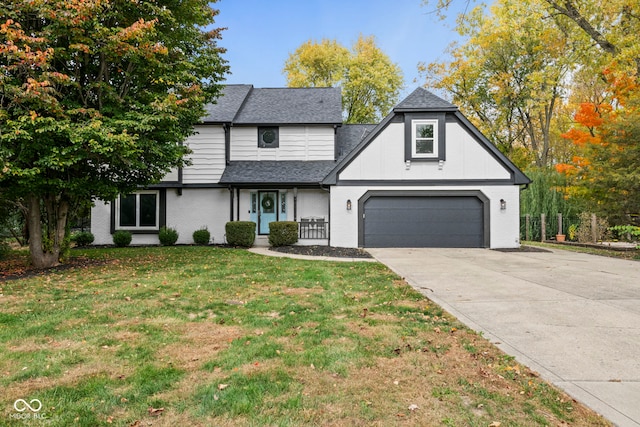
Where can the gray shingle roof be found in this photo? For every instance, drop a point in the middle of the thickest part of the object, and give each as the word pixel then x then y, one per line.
pixel 423 100
pixel 227 105
pixel 292 106
pixel 276 172
pixel 349 136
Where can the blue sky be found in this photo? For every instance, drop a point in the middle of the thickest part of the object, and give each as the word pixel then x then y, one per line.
pixel 262 33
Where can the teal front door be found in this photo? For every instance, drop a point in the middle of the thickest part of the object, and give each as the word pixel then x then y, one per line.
pixel 267 210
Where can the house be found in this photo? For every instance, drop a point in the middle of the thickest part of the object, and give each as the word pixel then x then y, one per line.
pixel 423 177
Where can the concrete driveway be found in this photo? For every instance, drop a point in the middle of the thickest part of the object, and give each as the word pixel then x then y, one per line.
pixel 574 318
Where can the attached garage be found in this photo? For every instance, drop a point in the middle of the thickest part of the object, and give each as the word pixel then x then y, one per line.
pixel 424 219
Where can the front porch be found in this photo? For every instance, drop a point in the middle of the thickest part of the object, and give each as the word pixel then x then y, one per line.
pixel 308 207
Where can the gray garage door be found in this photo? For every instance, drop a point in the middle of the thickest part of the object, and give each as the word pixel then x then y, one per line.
pixel 423 222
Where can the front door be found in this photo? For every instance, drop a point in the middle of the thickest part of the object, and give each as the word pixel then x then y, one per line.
pixel 267 210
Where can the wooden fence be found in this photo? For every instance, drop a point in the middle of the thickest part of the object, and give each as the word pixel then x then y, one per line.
pixel 534 228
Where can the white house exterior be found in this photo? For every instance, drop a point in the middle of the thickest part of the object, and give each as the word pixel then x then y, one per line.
pixel 423 177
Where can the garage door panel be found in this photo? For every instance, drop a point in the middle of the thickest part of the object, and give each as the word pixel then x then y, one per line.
pixel 423 222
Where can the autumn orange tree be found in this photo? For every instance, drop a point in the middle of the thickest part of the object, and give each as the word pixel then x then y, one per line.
pixel 606 171
pixel 96 98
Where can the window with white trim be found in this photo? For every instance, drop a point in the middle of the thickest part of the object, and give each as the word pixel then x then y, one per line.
pixel 424 139
pixel 138 211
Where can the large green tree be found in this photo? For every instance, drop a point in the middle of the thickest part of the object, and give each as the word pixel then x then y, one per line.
pixel 509 76
pixel 370 81
pixel 96 98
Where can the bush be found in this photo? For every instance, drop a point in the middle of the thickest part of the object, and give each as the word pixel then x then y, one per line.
pixel 82 238
pixel 283 233
pixel 202 236
pixel 241 233
pixel 5 249
pixel 168 236
pixel 584 233
pixel 122 238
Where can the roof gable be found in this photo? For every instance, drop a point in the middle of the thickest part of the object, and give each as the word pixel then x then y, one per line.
pixel 421 100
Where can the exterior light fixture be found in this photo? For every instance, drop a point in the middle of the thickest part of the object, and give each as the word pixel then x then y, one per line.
pixel 503 204
pixel 407 164
pixel 349 204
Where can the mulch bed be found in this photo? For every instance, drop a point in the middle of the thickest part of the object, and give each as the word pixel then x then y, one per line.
pixel 329 251
pixel 19 268
pixel 523 249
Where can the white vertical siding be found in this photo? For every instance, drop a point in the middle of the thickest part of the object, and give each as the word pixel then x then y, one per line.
pixel 296 143
pixel 383 158
pixel 207 159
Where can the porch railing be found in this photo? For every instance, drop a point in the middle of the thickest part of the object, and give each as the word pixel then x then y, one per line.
pixel 313 228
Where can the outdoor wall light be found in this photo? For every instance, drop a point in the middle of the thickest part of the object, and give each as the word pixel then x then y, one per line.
pixel 349 204
pixel 407 164
pixel 503 204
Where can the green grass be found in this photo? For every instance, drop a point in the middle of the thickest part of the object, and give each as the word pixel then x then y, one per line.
pixel 210 336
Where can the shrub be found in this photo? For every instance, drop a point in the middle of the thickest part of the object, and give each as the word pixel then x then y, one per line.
pixel 584 233
pixel 241 233
pixel 201 236
pixel 4 249
pixel 283 233
pixel 122 238
pixel 82 238
pixel 629 233
pixel 168 236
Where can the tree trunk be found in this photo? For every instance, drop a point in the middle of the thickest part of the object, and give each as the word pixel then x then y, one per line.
pixel 46 229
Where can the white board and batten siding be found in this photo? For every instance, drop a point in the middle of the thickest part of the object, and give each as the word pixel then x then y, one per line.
pixel 384 159
pixel 207 157
pixel 295 143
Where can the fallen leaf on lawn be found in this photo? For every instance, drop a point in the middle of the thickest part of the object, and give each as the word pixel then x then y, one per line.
pixel 495 424
pixel 136 423
pixel 222 386
pixel 154 412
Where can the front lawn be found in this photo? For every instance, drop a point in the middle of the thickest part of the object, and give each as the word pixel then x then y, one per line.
pixel 202 336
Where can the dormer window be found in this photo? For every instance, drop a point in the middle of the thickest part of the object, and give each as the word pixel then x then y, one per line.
pixel 268 137
pixel 424 139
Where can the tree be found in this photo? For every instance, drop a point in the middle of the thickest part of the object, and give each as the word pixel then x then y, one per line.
pixel 509 76
pixel 370 82
pixel 613 25
pixel 606 172
pixel 96 98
